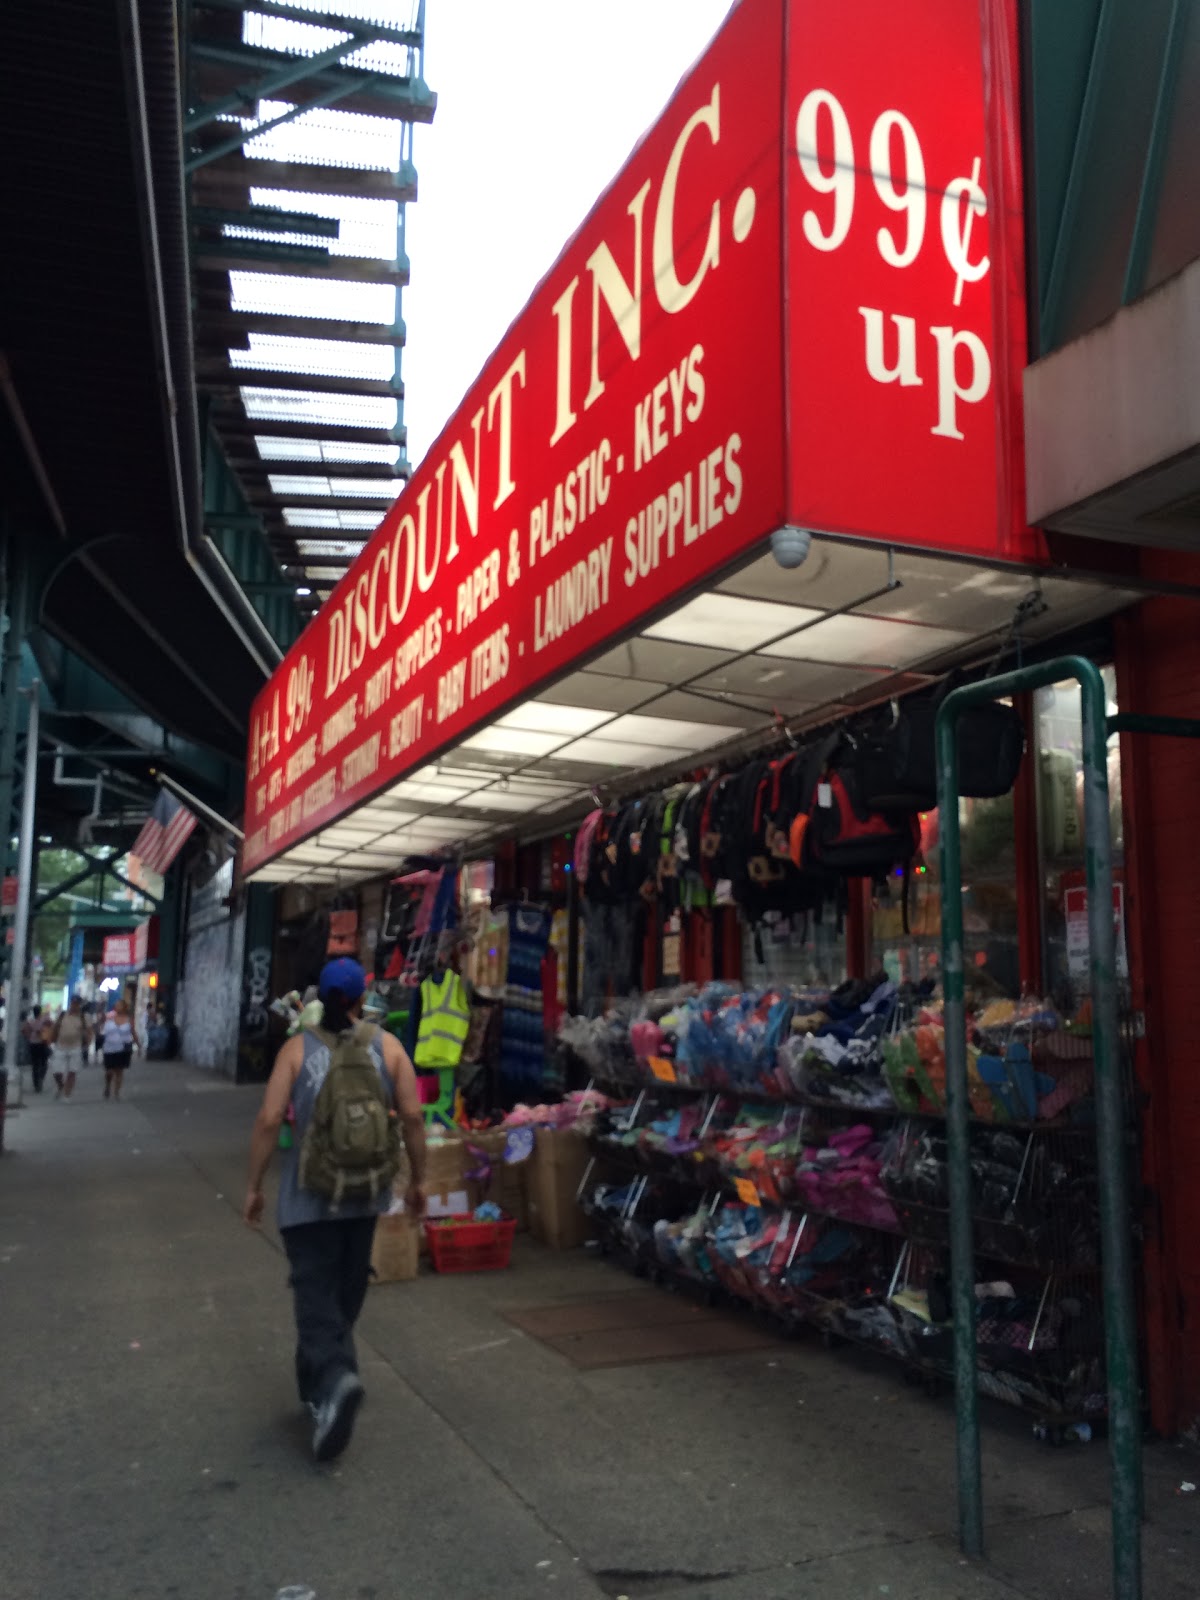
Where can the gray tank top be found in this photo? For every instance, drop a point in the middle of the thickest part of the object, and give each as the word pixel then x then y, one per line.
pixel 297 1205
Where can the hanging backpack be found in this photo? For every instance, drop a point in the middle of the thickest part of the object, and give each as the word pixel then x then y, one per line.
pixel 687 826
pixel 625 850
pixel 646 846
pixel 847 836
pixel 896 759
pixel 693 890
pixel 351 1147
pixel 583 847
pixel 602 857
pixel 719 802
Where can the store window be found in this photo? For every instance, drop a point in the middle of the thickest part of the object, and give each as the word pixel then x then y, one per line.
pixel 1059 734
pixel 988 854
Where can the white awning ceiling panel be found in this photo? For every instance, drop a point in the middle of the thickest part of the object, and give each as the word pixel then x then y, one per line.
pixel 831 638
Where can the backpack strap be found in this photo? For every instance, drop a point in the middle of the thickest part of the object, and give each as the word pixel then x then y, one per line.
pixel 360 1033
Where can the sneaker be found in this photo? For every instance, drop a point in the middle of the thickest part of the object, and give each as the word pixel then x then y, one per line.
pixel 335 1418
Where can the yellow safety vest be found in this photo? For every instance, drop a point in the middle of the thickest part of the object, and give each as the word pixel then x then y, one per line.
pixel 445 1020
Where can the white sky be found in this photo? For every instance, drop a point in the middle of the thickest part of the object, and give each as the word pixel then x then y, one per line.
pixel 539 103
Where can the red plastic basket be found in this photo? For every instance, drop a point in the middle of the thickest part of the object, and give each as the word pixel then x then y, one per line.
pixel 469 1246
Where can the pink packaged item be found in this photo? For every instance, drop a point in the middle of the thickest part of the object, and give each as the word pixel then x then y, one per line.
pixel 647 1039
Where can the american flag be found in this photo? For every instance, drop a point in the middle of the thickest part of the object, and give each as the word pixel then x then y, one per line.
pixel 165 833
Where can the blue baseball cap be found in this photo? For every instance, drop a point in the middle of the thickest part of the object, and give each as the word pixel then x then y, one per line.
pixel 343 976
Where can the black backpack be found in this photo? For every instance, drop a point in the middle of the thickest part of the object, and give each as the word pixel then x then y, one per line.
pixel 847 835
pixel 602 859
pixel 896 759
pixel 717 828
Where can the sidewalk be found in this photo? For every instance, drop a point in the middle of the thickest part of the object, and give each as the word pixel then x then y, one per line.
pixel 153 1447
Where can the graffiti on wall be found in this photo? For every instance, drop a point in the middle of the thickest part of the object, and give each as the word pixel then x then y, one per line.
pixel 254 1042
pixel 210 995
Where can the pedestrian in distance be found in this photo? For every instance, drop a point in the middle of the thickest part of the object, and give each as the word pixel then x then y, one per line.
pixel 34 1029
pixel 353 1096
pixel 70 1042
pixel 95 1016
pixel 119 1042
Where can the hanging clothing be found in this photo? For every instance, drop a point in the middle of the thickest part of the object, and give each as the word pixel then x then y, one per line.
pixel 612 952
pixel 428 883
pixel 560 942
pixel 523 1036
pixel 444 1021
pixel 491 960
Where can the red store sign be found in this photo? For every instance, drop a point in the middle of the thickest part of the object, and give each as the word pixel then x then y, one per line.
pixel 792 305
pixel 127 951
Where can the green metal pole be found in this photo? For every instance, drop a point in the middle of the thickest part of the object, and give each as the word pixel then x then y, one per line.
pixel 958 1159
pixel 1120 1321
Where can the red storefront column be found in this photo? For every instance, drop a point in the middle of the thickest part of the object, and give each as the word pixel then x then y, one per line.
pixel 858 928
pixel 1158 672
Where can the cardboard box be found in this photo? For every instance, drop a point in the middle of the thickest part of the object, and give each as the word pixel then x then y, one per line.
pixel 395 1253
pixel 560 1160
pixel 508 1183
pixel 445 1164
pixel 446 1188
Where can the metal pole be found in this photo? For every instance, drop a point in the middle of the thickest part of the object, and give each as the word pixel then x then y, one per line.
pixel 1124 1402
pixel 16 984
pixel 1120 1320
pixel 958 1134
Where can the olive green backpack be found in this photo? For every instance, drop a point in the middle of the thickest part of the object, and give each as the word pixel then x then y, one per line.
pixel 351 1147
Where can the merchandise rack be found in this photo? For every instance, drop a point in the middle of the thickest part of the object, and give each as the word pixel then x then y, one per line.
pixel 1047 1357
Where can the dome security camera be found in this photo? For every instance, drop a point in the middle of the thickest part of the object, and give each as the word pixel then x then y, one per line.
pixel 790 546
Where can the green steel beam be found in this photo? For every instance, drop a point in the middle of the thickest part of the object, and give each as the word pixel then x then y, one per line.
pixel 108 867
pixel 214 255
pixel 1173 727
pixel 329 97
pixel 214 376
pixel 267 86
pixel 266 218
pixel 279 586
pixel 366 31
pixel 240 521
pixel 406 95
pixel 1120 1314
pixel 1156 155
pixel 225 328
pixel 235 252
pixel 237 173
pixel 94 867
pixel 98 917
pixel 1056 280
pixel 238 534
pixel 233 424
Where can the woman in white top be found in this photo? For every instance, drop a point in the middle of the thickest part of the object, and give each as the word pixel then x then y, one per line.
pixel 119 1042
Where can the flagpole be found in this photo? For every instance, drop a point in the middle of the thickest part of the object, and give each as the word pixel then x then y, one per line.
pixel 196 803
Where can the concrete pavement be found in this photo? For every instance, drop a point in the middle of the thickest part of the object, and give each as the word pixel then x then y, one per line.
pixel 152 1446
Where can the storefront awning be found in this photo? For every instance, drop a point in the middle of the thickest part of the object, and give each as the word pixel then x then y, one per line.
pixel 851 628
pixel 799 306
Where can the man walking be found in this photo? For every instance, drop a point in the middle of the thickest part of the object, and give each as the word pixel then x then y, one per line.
pixel 346 1084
